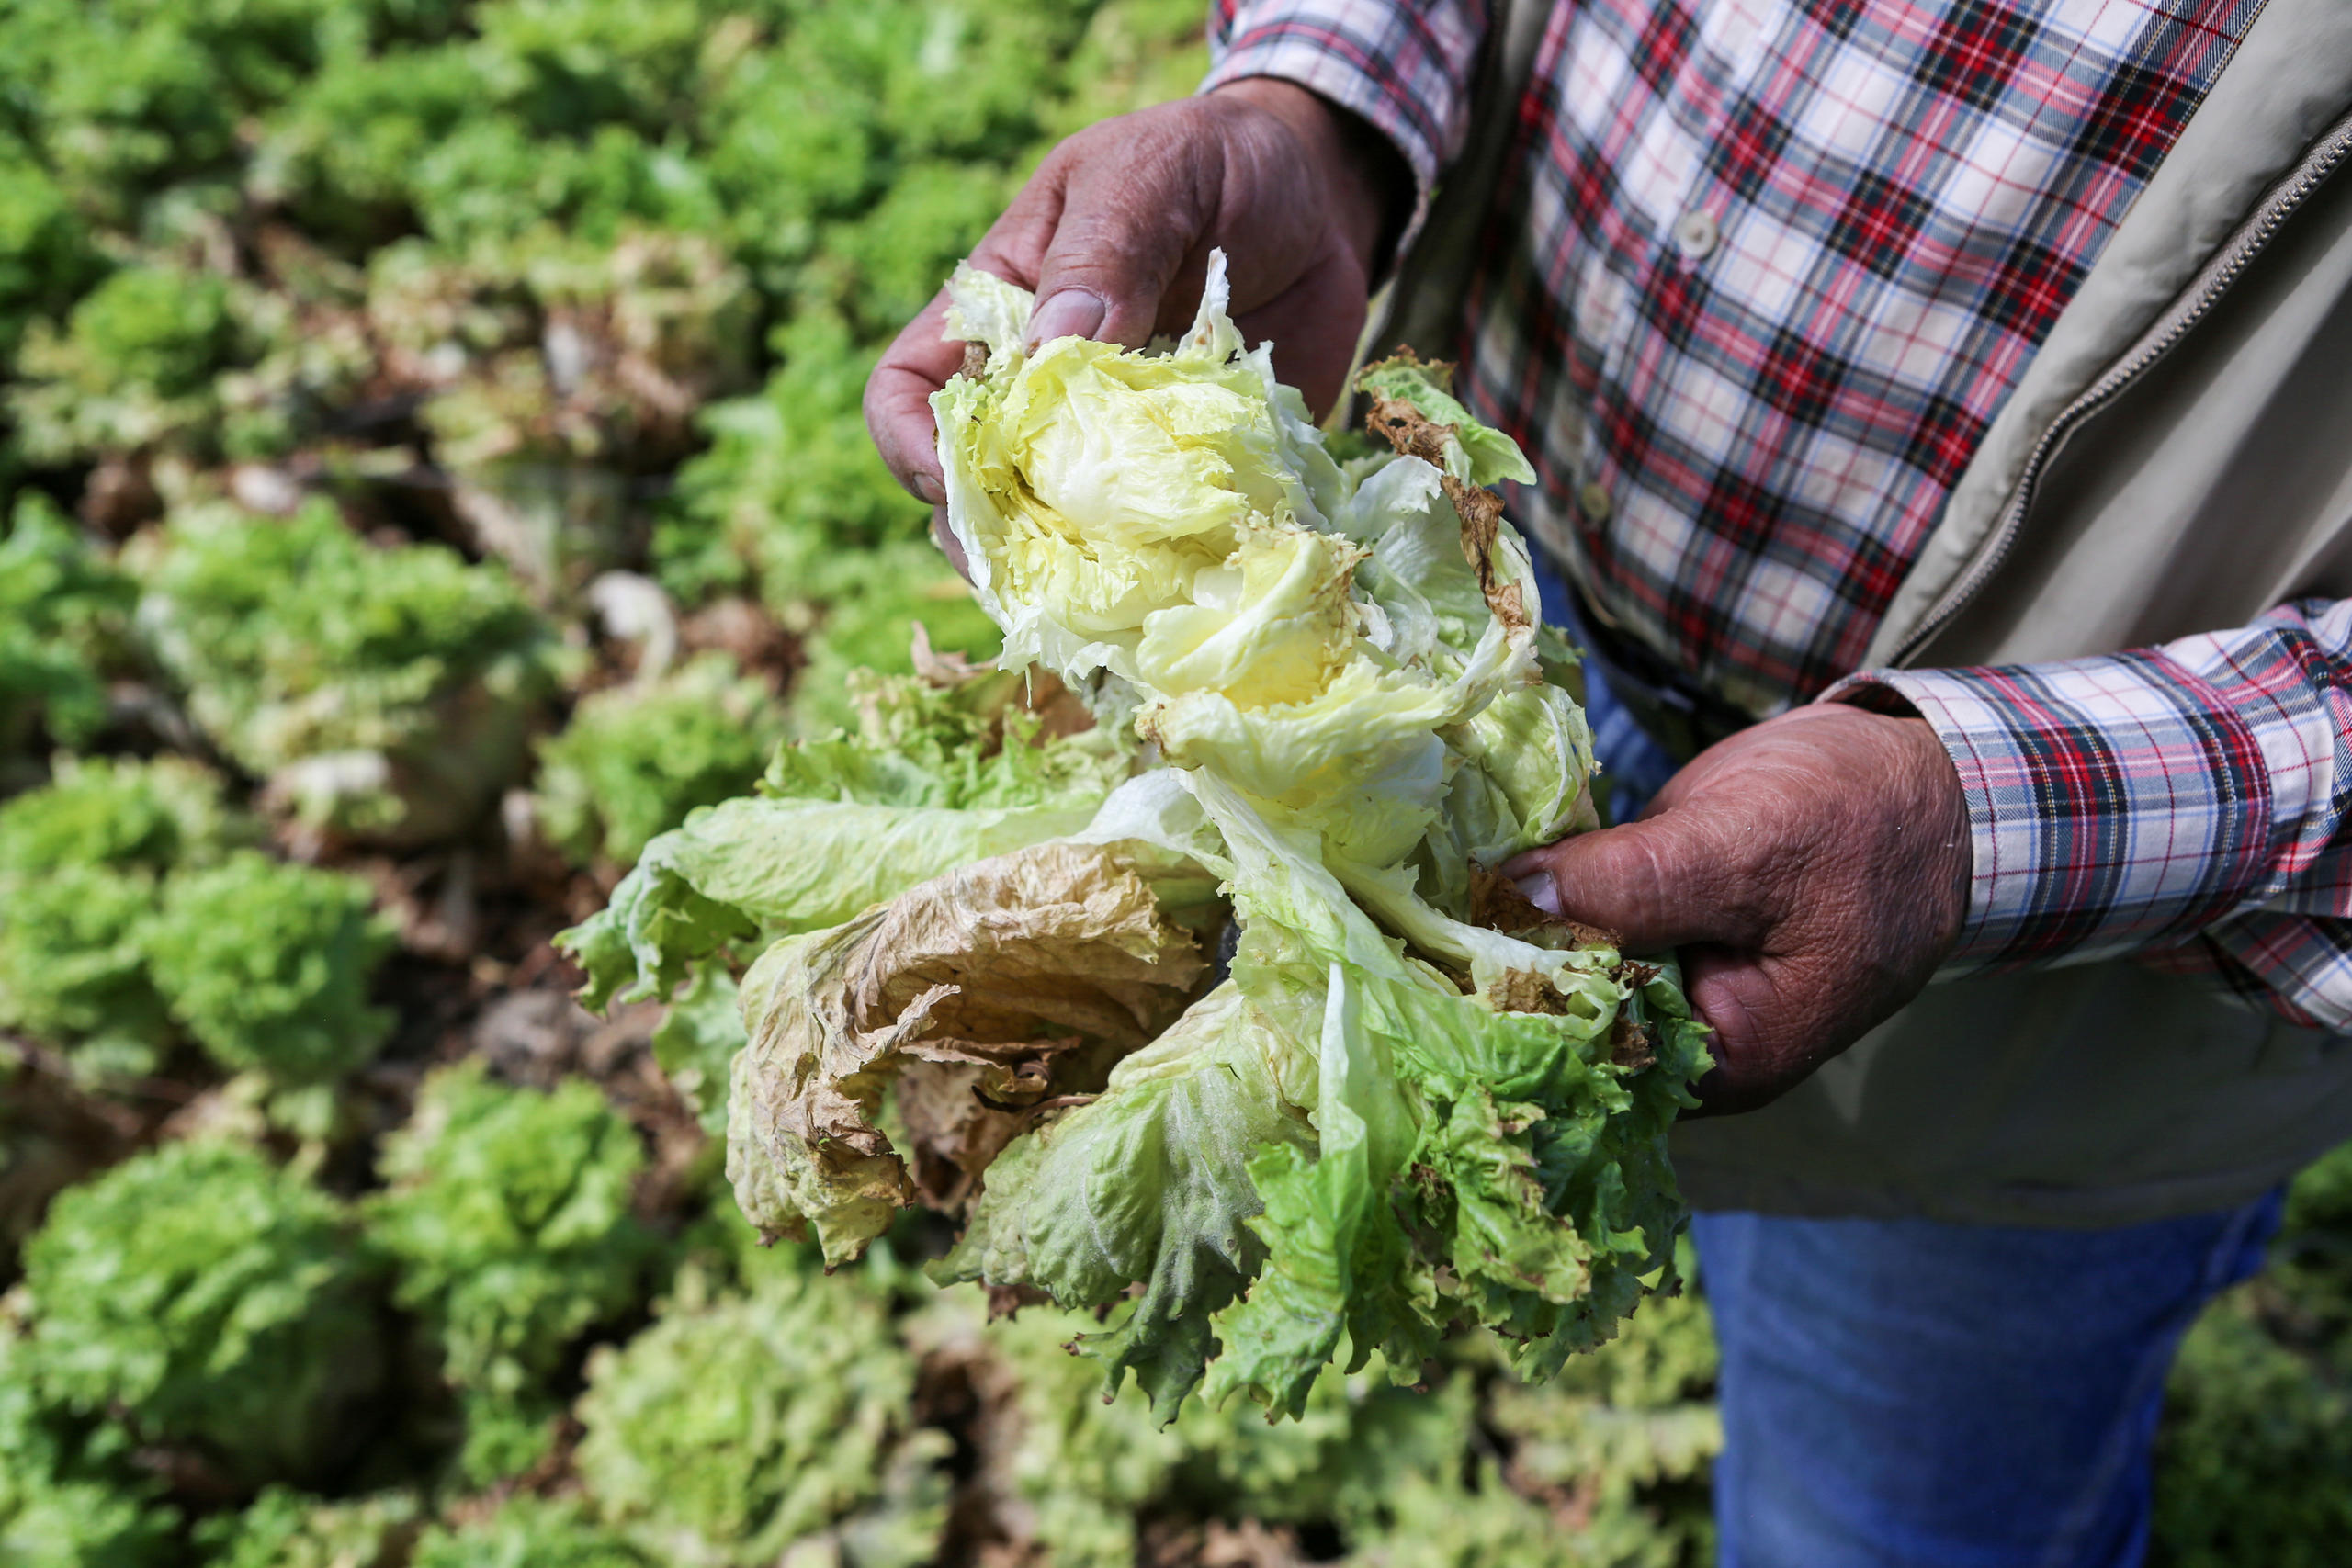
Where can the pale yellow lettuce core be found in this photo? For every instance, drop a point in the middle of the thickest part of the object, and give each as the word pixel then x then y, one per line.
pixel 1270 624
pixel 1166 530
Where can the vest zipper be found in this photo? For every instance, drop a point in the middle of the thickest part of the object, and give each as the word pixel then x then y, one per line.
pixel 2222 271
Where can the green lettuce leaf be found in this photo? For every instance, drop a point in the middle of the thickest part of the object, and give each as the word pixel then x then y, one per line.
pixel 1149 1183
pixel 738 1427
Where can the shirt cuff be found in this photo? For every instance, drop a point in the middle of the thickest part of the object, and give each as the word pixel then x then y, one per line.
pixel 1403 69
pixel 2114 803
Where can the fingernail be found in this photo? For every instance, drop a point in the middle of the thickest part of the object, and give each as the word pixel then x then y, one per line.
pixel 1070 312
pixel 927 488
pixel 1540 891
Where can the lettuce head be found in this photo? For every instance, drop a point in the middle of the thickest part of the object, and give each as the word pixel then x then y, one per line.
pixel 1262 1063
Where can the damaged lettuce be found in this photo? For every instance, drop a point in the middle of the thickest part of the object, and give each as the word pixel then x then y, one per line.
pixel 984 995
pixel 1431 1104
pixel 1406 1100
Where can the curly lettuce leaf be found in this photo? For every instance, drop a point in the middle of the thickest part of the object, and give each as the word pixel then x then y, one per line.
pixel 737 1429
pixel 1150 1182
pixel 509 1213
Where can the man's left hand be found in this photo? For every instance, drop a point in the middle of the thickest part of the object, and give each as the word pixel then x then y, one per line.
pixel 1813 870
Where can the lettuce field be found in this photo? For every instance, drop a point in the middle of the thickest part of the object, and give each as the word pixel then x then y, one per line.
pixel 431 469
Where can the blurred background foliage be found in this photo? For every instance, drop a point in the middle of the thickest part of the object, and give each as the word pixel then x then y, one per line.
pixel 431 465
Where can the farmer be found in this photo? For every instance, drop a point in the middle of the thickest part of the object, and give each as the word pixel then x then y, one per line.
pixel 1944 416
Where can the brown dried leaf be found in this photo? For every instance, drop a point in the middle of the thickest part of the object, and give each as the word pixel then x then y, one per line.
pixel 981 992
pixel 1630 1045
pixel 1523 990
pixel 1498 904
pixel 1408 430
pixel 945 670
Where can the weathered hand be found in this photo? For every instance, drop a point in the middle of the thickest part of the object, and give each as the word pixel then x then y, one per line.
pixel 1813 870
pixel 1114 229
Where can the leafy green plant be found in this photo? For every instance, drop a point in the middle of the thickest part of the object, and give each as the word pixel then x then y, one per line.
pixel 286 1529
pixel 1628 1434
pixel 2253 1457
pixel 737 1428
pixel 157 814
pixel 508 1212
pixel 212 1299
pixel 82 864
pixel 134 367
pixel 63 610
pixel 73 968
pixel 69 1496
pixel 2254 1461
pixel 528 1532
pixel 45 253
pixel 268 964
pixel 635 759
pixel 384 692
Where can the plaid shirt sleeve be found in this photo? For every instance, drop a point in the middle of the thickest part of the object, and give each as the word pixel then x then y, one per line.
pixel 1403 65
pixel 2191 803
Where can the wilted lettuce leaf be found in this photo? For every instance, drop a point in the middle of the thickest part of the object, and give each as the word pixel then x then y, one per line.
pixel 1473 453
pixel 508 1211
pixel 737 1428
pixel 984 993
pixel 1150 1182
pixel 210 1297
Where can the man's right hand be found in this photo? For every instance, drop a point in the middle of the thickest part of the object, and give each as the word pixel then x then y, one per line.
pixel 1114 229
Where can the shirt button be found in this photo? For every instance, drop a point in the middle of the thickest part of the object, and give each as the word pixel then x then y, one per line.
pixel 1594 499
pixel 1695 235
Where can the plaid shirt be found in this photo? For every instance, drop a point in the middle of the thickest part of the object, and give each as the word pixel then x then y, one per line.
pixel 1758 279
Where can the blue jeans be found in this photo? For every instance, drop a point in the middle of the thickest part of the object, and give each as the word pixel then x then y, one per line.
pixel 1907 1394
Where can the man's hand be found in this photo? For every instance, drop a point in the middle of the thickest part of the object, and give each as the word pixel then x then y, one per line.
pixel 1114 229
pixel 1814 870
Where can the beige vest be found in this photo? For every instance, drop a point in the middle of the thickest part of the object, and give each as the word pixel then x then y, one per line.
pixel 2177 458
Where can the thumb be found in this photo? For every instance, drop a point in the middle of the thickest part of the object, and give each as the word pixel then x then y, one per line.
pixel 1651 882
pixel 1125 229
